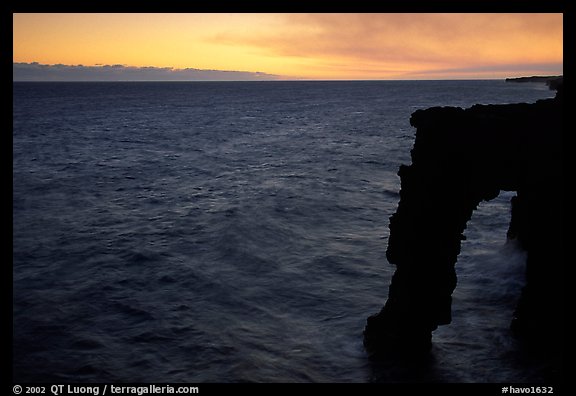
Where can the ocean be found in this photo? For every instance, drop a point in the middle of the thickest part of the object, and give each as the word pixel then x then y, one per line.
pixel 236 232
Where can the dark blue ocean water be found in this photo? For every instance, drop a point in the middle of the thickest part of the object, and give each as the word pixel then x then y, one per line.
pixel 233 232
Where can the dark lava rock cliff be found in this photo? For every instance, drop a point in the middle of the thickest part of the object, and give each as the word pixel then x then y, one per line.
pixel 460 158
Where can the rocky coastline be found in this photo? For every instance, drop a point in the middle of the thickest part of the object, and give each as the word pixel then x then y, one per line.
pixel 461 157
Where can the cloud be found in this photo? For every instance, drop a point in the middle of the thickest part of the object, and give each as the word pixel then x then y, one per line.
pixel 40 72
pixel 409 42
pixel 418 37
pixel 489 71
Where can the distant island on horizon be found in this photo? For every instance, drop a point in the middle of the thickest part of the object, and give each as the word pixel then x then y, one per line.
pixel 551 81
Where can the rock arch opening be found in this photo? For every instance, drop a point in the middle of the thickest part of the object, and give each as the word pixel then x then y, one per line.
pixel 460 158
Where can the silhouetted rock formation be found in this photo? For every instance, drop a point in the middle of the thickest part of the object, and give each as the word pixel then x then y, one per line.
pixel 553 82
pixel 461 157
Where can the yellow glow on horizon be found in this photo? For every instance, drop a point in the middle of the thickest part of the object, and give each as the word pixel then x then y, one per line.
pixel 162 40
pixel 318 46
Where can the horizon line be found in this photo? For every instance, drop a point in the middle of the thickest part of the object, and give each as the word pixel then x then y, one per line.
pixel 39 72
pixel 288 80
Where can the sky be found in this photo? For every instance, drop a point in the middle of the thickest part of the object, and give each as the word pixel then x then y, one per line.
pixel 285 46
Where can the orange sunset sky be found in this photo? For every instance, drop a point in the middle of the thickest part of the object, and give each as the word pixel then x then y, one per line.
pixel 301 46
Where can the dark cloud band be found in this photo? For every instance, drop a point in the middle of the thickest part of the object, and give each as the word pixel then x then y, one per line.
pixel 40 72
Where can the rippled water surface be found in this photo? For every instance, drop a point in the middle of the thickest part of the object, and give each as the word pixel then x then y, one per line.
pixel 233 232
